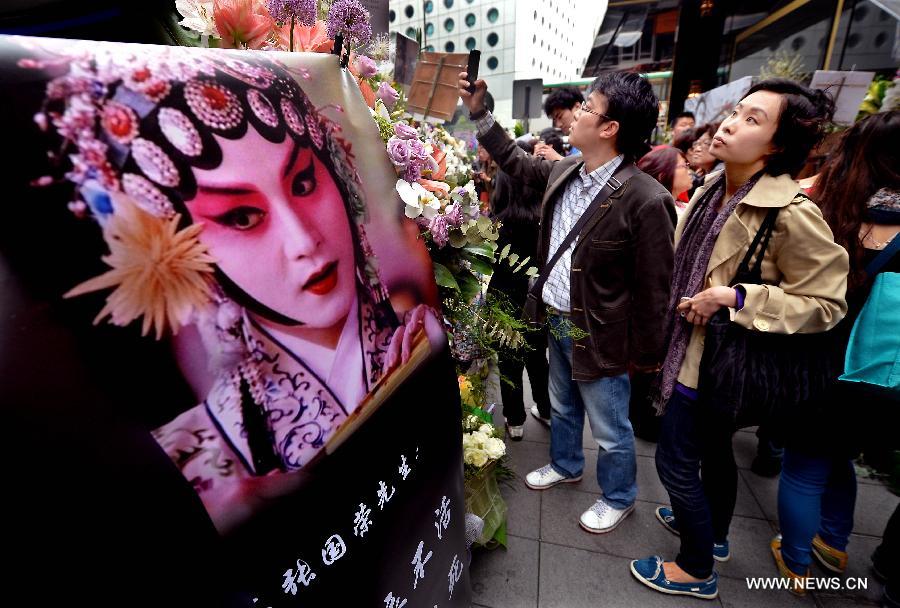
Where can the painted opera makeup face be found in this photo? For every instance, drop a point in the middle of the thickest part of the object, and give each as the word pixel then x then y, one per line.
pixel 276 223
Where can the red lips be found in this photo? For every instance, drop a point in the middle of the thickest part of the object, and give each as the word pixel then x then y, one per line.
pixel 323 281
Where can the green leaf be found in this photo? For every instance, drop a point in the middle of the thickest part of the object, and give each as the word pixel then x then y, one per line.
pixel 458 239
pixel 485 250
pixel 469 286
pixel 522 264
pixel 531 272
pixel 475 238
pixel 481 266
pixel 504 253
pixel 513 259
pixel 484 223
pixel 444 277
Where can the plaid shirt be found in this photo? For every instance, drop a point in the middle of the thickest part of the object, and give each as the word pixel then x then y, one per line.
pixel 577 197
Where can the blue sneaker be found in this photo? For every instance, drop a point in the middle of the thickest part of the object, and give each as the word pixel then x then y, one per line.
pixel 665 515
pixel 650 572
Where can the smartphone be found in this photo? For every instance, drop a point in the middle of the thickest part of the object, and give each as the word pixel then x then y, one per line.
pixel 472 69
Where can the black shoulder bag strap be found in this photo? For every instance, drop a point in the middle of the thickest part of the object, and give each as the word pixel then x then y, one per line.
pixel 618 179
pixel 744 273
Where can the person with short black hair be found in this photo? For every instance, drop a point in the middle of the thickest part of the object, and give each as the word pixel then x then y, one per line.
pixel 681 123
pixel 802 290
pixel 604 295
pixel 560 107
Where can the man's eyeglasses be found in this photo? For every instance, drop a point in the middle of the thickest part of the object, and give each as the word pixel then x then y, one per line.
pixel 584 108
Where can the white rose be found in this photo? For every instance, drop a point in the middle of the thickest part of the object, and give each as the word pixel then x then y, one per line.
pixel 494 448
pixel 487 429
pixel 479 437
pixel 475 457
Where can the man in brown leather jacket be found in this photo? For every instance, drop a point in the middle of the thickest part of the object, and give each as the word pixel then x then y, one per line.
pixel 606 297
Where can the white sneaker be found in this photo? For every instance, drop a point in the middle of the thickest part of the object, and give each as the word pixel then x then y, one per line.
pixel 515 432
pixel 537 414
pixel 602 518
pixel 545 477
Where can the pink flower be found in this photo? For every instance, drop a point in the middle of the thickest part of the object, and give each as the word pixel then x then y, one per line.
pixel 454 215
pixel 366 66
pixel 439 232
pixel 388 95
pixel 398 151
pixel 242 23
pixel 307 39
pixel 404 131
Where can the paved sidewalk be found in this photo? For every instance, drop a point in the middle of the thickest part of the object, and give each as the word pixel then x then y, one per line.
pixel 552 562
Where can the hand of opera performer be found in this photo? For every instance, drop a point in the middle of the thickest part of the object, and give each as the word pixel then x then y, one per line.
pixel 421 318
pixel 473 101
pixel 546 151
pixel 701 307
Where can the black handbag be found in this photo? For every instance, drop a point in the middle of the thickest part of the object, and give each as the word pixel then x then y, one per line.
pixel 748 377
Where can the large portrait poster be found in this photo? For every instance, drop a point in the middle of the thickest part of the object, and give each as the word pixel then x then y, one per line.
pixel 218 335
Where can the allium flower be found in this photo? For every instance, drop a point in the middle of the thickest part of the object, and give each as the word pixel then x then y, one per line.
pixel 366 66
pixel 303 11
pixel 158 272
pixel 242 23
pixel 388 95
pixel 197 15
pixel 351 19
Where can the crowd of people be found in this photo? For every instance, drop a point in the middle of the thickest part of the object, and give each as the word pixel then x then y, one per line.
pixel 701 280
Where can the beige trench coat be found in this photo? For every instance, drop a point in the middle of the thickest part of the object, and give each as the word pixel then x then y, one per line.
pixel 804 272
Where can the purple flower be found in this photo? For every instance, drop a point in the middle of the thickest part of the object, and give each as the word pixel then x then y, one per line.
pixel 348 17
pixel 413 171
pixel 388 95
pixel 417 150
pixel 398 151
pixel 439 232
pixel 404 131
pixel 366 66
pixel 304 11
pixel 454 215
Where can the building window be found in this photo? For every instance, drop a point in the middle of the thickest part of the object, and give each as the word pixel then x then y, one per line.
pixel 470 43
pixel 448 3
pixel 448 25
pixel 493 39
pixel 411 33
pixel 409 11
pixel 392 16
pixel 493 15
pixel 429 29
pixel 449 47
pixel 492 63
pixel 429 6
pixel 470 19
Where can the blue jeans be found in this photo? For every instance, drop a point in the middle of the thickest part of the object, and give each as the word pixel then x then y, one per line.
pixel 695 462
pixel 606 402
pixel 815 495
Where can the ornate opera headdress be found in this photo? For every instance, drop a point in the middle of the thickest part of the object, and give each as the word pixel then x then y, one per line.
pixel 134 121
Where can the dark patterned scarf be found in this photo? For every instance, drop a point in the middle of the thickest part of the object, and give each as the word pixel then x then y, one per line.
pixel 691 261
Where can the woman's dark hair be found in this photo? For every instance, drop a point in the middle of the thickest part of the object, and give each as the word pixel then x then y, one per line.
pixel 804 115
pixel 565 98
pixel 866 160
pixel 686 139
pixel 633 104
pixel 661 164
